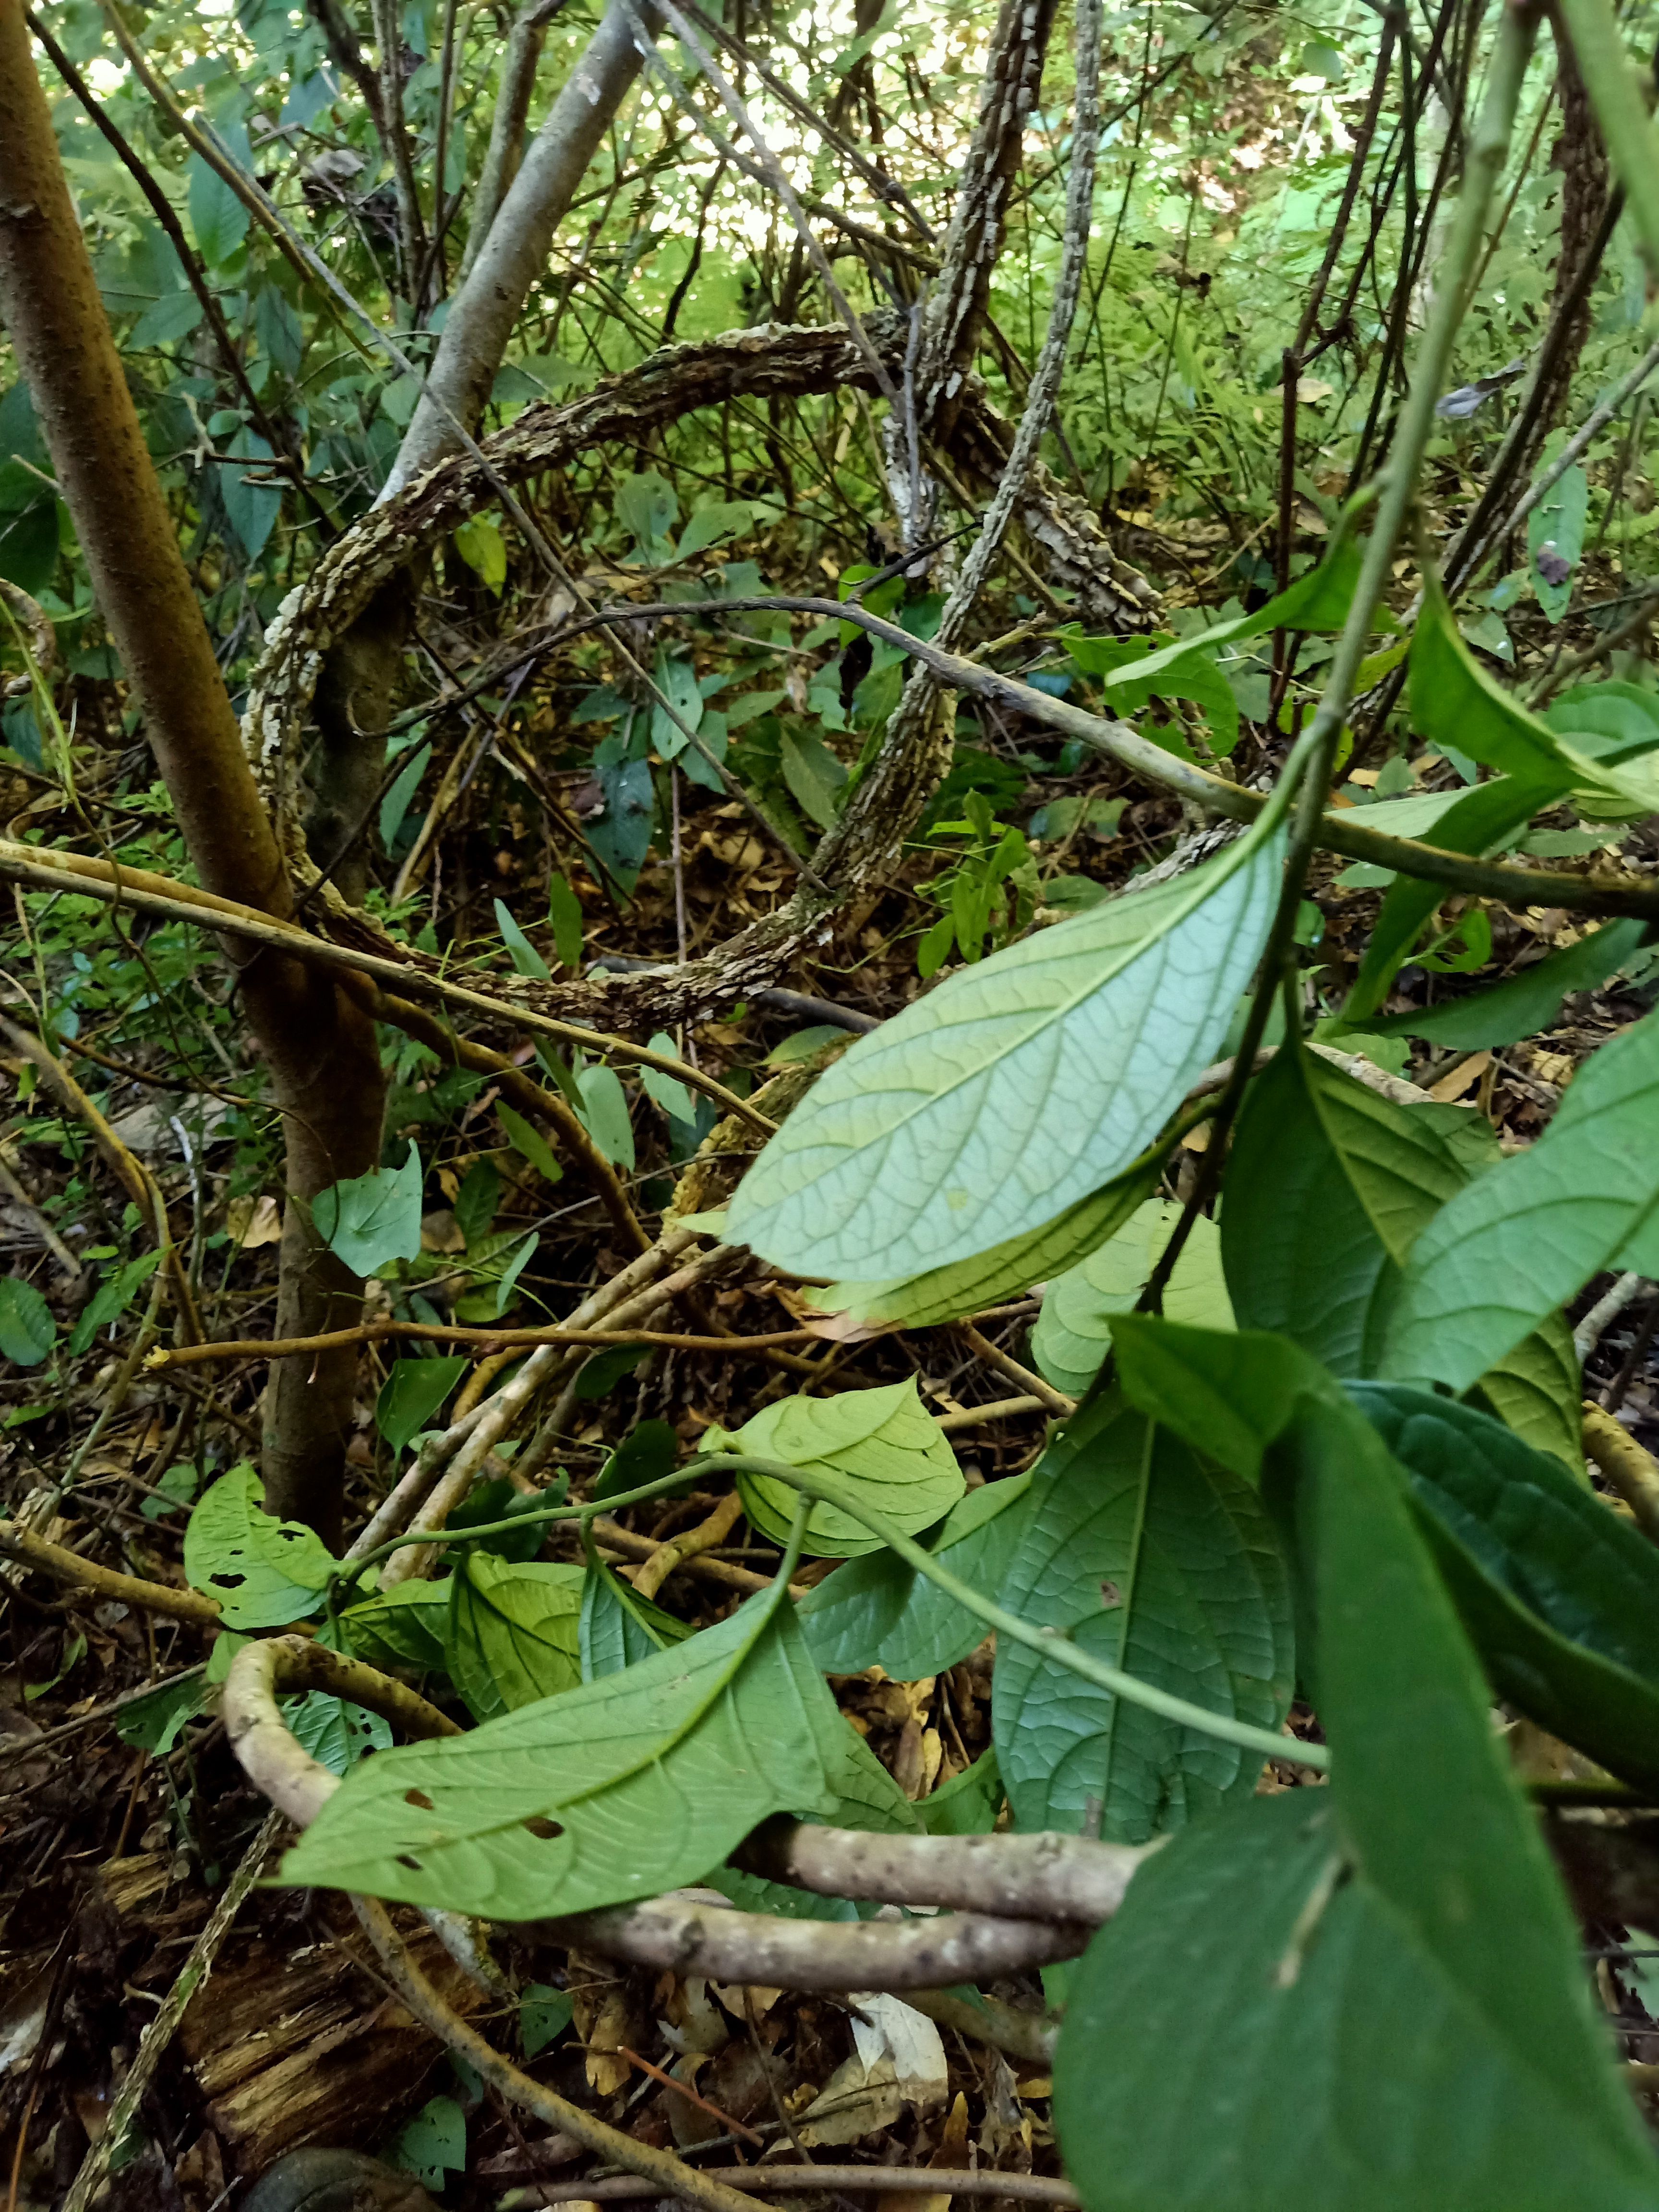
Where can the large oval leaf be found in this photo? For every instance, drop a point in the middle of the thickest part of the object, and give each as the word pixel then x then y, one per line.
pixel 1163 1567
pixel 634 1783
pixel 511 1634
pixel 1019 1086
pixel 878 1611
pixel 885 1441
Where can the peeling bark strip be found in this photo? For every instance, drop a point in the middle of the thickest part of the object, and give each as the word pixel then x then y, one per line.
pixel 765 363
pixel 321 1049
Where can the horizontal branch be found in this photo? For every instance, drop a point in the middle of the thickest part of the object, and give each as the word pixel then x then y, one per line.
pixel 1054 1877
pixel 45 869
pixel 29 1550
pixel 780 2180
pixel 494 1339
pixel 1405 856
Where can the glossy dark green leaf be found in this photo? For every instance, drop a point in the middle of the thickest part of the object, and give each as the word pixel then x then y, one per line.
pixel 616 1627
pixel 969 1803
pixel 877 1611
pixel 1561 1595
pixel 1158 1564
pixel 645 1455
pixel 632 1784
pixel 411 1394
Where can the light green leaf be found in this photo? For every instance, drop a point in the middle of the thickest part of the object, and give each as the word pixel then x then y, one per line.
pixel 651 1776
pixel 676 680
pixel 1074 1328
pixel 1526 1003
pixel 154 1723
pixel 1018 1087
pixel 219 218
pixel 1525 1237
pixel 336 1733
pixel 667 1091
pixel 27 1331
pixel 264 1573
pixel 882 1440
pixel 528 1140
pixel 604 1115
pixel 512 1631
pixel 564 912
pixel 1538 1391
pixel 1155 1564
pixel 433 2145
pixel 1555 539
pixel 969 1803
pixel 877 1611
pixel 481 545
pixel 402 1626
pixel 617 1628
pixel 814 776
pixel 710 523
pixel 515 1266
pixel 411 1394
pixel 370 1220
pixel 525 959
pixel 647 509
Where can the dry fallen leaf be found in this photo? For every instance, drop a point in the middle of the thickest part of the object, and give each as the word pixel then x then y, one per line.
pixel 1466 1074
pixel 251 1222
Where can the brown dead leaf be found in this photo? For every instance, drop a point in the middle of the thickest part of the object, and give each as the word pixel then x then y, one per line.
pixel 252 1222
pixel 1466 1074
pixel 441 1232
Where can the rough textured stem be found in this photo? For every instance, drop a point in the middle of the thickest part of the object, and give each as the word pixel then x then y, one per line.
pixel 1634 1472
pixel 29 1550
pixel 1054 1877
pixel 776 2179
pixel 159 2033
pixel 324 1062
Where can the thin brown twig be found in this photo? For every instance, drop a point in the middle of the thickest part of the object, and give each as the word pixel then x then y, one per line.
pixel 496 1340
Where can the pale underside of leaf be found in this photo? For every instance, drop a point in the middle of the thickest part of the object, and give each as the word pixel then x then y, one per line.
pixel 1019 1087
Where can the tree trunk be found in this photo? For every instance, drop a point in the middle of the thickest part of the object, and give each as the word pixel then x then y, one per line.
pixel 319 1048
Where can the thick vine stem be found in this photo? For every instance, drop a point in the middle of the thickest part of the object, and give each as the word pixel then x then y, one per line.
pixel 1061 1877
pixel 28 1550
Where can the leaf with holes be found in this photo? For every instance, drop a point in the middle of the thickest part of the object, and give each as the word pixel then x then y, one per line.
pixel 334 1731
pixel 1075 1326
pixel 264 1573
pixel 1019 1087
pixel 884 1442
pixel 511 1637
pixel 1143 1557
pixel 634 1784
pixel 878 1611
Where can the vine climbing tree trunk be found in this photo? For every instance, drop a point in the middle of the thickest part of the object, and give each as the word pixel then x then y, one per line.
pixel 320 1049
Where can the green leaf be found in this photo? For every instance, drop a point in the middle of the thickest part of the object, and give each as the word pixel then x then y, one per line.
pixel 564 913
pixel 1147 1560
pixel 1286 1963
pixel 370 1220
pixel 476 1201
pixel 710 523
pixel 667 1091
pixel 411 1394
pixel 264 1571
pixel 815 777
pixel 604 1115
pixel 511 1632
pixel 1526 1003
pixel 432 2145
pixel 1193 674
pixel 528 1140
pixel 1019 1087
pixel 1074 1328
pixel 219 218
pixel 650 1777
pixel 1229 1397
pixel 1525 1237
pixel 1560 1595
pixel 525 959
pixel 402 1626
pixel 335 1731
pixel 401 797
pixel 481 545
pixel 544 2013
pixel 507 1284
pixel 676 680
pixel 1454 703
pixel 27 1331
pixel 1329 1187
pixel 153 1724
pixel 617 1628
pixel 1555 540
pixel 647 509
pixel 644 1455
pixel 877 1611
pixel 883 1441
pixel 969 1803
pixel 1352 2073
